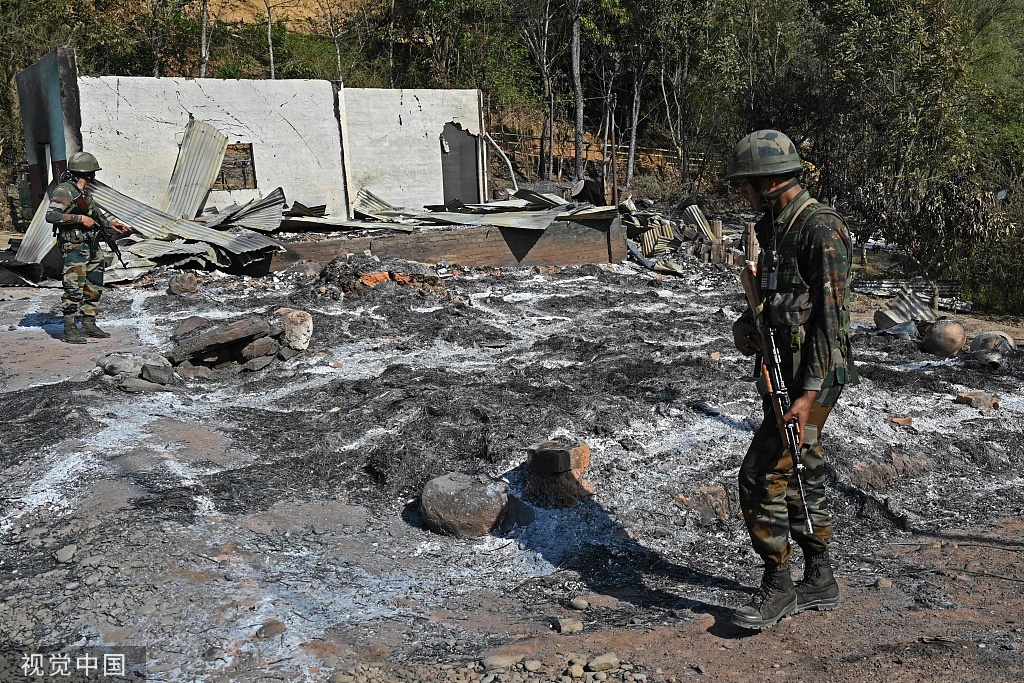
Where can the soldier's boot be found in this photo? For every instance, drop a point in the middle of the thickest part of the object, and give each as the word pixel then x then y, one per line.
pixel 818 589
pixel 775 599
pixel 72 335
pixel 90 329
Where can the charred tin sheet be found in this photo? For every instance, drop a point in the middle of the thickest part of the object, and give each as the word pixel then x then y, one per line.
pixel 38 240
pixel 157 225
pixel 199 161
pixel 264 215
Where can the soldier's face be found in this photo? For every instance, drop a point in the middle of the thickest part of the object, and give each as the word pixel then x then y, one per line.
pixel 750 194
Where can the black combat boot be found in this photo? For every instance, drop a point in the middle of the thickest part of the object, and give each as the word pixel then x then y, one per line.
pixel 776 598
pixel 818 589
pixel 72 335
pixel 90 329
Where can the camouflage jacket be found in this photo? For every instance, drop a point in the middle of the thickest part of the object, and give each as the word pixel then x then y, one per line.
pixel 66 216
pixel 809 312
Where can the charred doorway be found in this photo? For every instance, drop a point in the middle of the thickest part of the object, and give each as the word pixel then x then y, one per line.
pixel 459 165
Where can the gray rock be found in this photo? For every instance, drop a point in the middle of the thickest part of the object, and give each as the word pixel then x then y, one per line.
pixel 270 629
pixel 257 364
pixel 186 326
pixel 65 554
pixel 569 625
pixel 496 662
pixel 205 339
pixel 287 353
pixel 306 269
pixel 129 362
pixel 463 505
pixel 187 371
pixel 605 662
pixel 532 665
pixel 579 603
pixel 158 374
pixel 183 283
pixel 135 385
pixel 298 328
pixel 576 670
pixel 257 348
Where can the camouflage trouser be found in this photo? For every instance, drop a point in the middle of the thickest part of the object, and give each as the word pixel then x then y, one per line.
pixel 769 496
pixel 83 277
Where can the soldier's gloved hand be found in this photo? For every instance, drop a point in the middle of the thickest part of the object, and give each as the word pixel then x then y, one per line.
pixel 745 336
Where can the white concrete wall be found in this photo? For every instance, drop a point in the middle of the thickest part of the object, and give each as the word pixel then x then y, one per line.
pixel 393 140
pixel 134 126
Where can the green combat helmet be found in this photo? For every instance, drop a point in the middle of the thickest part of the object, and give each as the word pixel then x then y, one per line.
pixel 83 162
pixel 763 153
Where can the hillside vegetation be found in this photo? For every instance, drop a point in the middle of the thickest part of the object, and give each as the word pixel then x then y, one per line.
pixel 911 111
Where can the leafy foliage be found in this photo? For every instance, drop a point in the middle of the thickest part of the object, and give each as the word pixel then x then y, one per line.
pixel 910 110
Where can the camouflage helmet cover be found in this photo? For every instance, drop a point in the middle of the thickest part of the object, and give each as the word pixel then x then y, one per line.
pixel 763 153
pixel 83 162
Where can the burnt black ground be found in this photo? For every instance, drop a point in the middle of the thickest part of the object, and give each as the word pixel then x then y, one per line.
pixel 403 383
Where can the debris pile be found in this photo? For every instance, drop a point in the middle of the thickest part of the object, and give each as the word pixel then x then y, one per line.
pixel 135 370
pixel 357 275
pixel 251 343
pixel 658 243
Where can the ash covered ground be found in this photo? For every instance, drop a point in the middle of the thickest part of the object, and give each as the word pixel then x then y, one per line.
pixel 264 526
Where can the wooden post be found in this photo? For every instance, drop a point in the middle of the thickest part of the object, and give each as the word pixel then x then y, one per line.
pixel 750 245
pixel 716 229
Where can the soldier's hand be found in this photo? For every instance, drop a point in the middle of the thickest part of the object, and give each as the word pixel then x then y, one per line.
pixel 121 228
pixel 88 221
pixel 801 410
pixel 746 337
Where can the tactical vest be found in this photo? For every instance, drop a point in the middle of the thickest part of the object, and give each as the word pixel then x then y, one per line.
pixel 76 232
pixel 790 309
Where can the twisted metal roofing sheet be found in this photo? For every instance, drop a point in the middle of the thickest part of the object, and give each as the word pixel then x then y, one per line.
pixel 199 161
pixel 39 239
pixel 156 224
pixel 264 215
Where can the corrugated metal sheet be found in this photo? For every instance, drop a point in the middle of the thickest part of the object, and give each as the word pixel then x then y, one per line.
pixel 38 240
pixel 264 215
pixel 199 161
pixel 151 249
pixel 156 224
pixel 369 203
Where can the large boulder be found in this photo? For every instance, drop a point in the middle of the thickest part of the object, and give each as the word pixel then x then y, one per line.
pixel 463 505
pixel 944 339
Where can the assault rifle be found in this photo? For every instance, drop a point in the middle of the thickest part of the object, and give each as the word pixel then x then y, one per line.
pixel 771 374
pixel 104 232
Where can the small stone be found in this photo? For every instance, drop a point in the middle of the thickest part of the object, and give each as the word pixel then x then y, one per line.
pixel 93 579
pixel 65 554
pixel 257 364
pixel 579 603
pixel 600 676
pixel 187 371
pixel 569 625
pixel 287 353
pixel 576 670
pixel 331 661
pixel 212 654
pixel 532 665
pixel 182 283
pixel 160 374
pixel 882 582
pixel 270 629
pixel 605 662
pixel 496 662
pixel 902 421
pixel 342 678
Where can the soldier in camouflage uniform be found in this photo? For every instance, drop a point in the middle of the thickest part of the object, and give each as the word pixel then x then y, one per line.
pixel 76 221
pixel 809 318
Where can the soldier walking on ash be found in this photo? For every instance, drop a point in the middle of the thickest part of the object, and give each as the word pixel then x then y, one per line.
pixel 800 330
pixel 79 226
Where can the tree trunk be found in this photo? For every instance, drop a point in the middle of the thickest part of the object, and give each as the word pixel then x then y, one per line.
pixel 577 86
pixel 270 37
pixel 633 123
pixel 204 46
